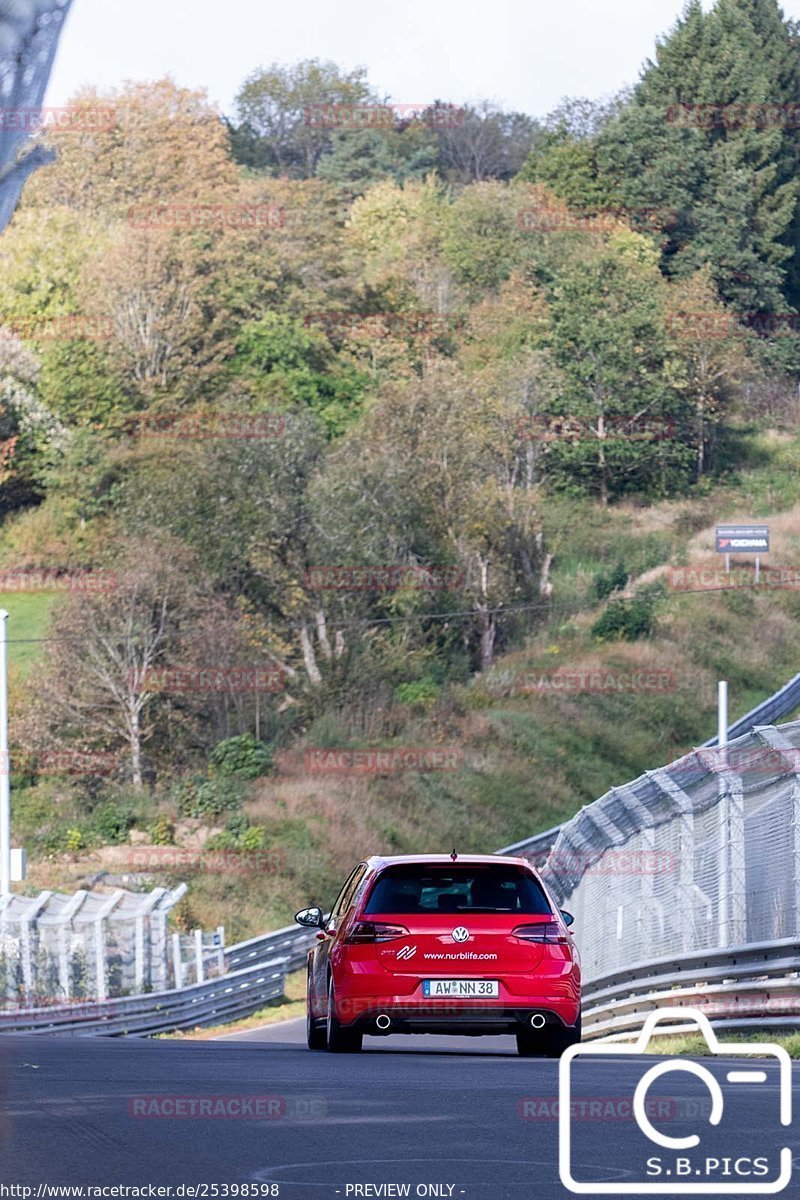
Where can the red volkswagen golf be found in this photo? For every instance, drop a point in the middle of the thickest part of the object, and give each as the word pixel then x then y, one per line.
pixel 443 944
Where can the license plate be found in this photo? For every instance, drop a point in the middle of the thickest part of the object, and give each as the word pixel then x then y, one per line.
pixel 446 989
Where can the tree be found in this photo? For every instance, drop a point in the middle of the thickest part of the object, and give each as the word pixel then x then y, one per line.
pixel 104 645
pixel 43 259
pixel 457 497
pixel 705 368
pixel 31 438
pixel 608 337
pixel 165 145
pixel 482 142
pixel 358 158
pixel 287 366
pixel 281 127
pixel 734 182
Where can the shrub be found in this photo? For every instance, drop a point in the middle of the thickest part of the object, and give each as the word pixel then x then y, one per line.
pixel 243 756
pixel 202 797
pixel 252 838
pixel 111 822
pixel 627 620
pixel 420 694
pixel 74 840
pixel 162 832
pixel 237 824
pixel 184 916
pixel 612 581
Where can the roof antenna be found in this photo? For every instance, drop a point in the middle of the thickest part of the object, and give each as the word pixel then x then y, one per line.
pixel 454 856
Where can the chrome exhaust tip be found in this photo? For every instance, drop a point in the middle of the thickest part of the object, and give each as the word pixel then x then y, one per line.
pixel 383 1022
pixel 537 1021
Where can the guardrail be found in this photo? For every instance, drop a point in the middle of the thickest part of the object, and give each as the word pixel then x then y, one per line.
pixel 291 942
pixel 224 999
pixel 740 989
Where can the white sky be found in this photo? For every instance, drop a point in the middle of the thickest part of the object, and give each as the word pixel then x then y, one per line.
pixel 524 54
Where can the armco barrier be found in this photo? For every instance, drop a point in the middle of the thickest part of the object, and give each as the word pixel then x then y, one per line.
pixel 225 999
pixel 740 989
pixel 292 943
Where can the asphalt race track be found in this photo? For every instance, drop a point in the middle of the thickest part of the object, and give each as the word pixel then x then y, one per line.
pixel 450 1117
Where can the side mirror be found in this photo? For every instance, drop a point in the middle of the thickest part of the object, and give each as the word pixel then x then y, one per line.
pixel 311 918
pixel 568 917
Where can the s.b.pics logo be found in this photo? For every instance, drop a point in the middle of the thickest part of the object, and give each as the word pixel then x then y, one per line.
pixel 727 1143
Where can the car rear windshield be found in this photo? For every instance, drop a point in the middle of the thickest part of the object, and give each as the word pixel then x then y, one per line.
pixel 457 889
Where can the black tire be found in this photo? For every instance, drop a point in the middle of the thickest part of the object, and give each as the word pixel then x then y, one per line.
pixel 547 1043
pixel 316 1037
pixel 530 1045
pixel 562 1039
pixel 339 1040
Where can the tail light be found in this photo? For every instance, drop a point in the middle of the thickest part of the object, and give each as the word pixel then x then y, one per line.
pixel 548 932
pixel 368 932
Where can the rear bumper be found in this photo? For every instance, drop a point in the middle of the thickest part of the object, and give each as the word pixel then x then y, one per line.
pixel 465 1019
pixel 506 1014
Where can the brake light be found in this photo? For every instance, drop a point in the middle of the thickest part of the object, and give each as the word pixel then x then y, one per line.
pixel 367 932
pixel 548 932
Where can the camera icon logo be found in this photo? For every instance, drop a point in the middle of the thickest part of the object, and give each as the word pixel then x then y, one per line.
pixel 677 1171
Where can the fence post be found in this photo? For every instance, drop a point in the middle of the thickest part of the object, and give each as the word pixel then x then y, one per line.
pixel 139 958
pixel 221 946
pixel 177 961
pixel 100 942
pixel 198 954
pixel 100 960
pixel 64 925
pixel 732 901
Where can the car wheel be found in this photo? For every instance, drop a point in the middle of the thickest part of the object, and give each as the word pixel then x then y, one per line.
pixel 338 1040
pixel 561 1040
pixel 530 1045
pixel 315 1036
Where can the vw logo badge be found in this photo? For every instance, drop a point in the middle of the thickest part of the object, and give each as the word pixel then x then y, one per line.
pixel 460 934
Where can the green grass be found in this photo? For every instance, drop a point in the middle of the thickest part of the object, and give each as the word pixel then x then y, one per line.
pixel 697 1047
pixel 29 616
